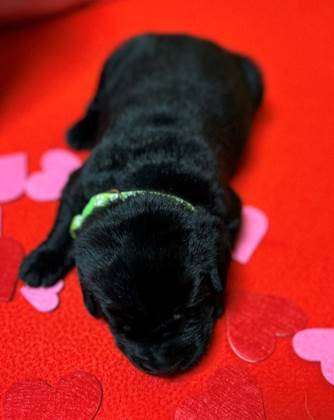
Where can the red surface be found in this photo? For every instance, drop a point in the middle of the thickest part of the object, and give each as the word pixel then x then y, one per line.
pixel 49 72
pixel 11 254
pixel 18 10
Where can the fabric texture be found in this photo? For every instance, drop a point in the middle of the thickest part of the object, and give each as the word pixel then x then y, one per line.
pixel 48 74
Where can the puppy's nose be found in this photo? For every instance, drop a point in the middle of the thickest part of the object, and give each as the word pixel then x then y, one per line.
pixel 160 371
pixel 157 366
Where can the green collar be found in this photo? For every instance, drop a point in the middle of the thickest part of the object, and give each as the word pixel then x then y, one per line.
pixel 104 199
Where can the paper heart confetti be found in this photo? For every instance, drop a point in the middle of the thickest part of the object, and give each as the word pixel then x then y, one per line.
pixel 76 396
pixel 317 345
pixel 13 173
pixel 254 322
pixel 231 395
pixel 44 299
pixel 253 228
pixel 57 165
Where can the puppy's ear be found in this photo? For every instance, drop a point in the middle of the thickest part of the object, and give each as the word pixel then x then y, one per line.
pixel 91 304
pixel 219 286
pixel 221 264
pixel 216 281
pixel 232 213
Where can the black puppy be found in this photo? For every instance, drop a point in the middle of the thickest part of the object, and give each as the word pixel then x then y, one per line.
pixel 169 120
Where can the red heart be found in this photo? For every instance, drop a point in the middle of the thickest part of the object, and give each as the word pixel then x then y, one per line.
pixel 230 395
pixel 11 254
pixel 76 396
pixel 254 322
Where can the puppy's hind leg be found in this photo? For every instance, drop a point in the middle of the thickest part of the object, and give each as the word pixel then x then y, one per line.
pixel 84 134
pixel 87 131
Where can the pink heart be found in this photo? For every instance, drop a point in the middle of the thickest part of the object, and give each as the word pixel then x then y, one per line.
pixel 57 165
pixel 317 345
pixel 254 227
pixel 13 173
pixel 44 299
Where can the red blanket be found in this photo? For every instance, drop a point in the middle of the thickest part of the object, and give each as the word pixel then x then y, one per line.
pixel 48 74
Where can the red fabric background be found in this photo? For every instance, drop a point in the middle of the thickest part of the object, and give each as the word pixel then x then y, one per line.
pixel 49 72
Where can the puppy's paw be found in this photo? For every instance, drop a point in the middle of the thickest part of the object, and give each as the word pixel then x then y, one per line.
pixel 43 267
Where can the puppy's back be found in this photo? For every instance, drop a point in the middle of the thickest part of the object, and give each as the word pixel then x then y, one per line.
pixel 186 83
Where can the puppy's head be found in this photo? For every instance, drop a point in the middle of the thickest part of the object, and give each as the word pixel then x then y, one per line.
pixel 149 267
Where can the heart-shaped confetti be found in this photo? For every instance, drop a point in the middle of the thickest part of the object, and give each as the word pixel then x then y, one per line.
pixel 13 173
pixel 254 322
pixel 317 345
pixel 57 165
pixel 76 396
pixel 44 299
pixel 231 395
pixel 253 228
pixel 11 255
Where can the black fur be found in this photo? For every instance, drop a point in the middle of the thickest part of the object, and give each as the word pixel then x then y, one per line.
pixel 172 114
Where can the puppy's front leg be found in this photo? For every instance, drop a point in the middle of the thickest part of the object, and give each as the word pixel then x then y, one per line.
pixel 53 258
